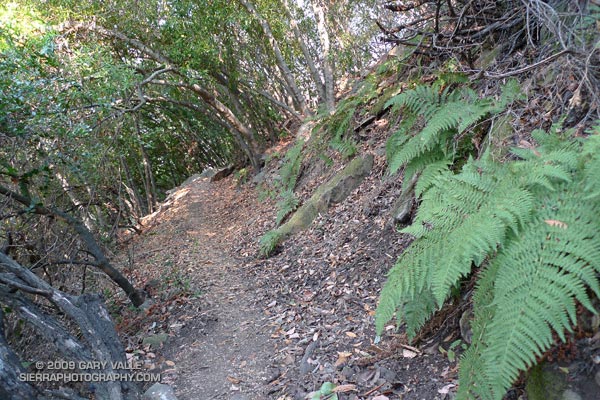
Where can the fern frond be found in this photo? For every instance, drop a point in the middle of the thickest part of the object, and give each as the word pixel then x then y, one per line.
pixel 591 167
pixel 473 378
pixel 462 219
pixel 291 166
pixel 431 172
pixel 542 273
pixel 269 241
pixel 288 202
pixel 398 138
pixel 535 223
pixel 346 147
pixel 447 115
pixel 417 310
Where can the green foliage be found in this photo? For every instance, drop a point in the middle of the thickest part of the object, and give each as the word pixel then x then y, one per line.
pixel 287 200
pixel 291 166
pixel 346 147
pixel 451 352
pixel 268 242
pixel 530 227
pixel 326 391
pixel 241 176
pixel 448 111
pixel 338 127
pixel 287 203
pixel 292 162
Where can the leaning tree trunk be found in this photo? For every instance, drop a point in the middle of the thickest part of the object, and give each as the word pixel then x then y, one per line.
pixel 149 184
pixel 281 63
pixel 314 73
pixel 11 387
pixel 102 262
pixel 83 212
pixel 100 341
pixel 319 11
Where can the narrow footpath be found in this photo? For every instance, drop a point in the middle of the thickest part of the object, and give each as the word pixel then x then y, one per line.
pixel 218 337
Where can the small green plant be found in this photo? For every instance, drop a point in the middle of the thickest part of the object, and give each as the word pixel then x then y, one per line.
pixel 288 202
pixel 529 227
pixel 268 242
pixel 241 176
pixel 346 147
pixel 451 352
pixel 265 192
pixel 177 280
pixel 291 166
pixel 327 391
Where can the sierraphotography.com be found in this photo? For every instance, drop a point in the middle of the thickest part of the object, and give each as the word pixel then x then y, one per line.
pixel 89 377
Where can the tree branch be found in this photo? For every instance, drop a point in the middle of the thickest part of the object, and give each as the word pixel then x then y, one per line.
pixel 136 296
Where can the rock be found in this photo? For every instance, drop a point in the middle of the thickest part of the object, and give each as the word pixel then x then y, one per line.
pixel 570 395
pixel 238 396
pixel 402 207
pixel 387 374
pixel 208 173
pixel 305 367
pixel 545 383
pixel 222 173
pixel 146 304
pixel 597 378
pixel 348 372
pixel 192 179
pixel 155 341
pixel 159 391
pixel 259 178
pixel 465 326
pixel 332 192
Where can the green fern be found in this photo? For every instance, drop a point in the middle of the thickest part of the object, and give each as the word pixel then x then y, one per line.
pixel 287 203
pixel 535 220
pixel 268 242
pixel 447 114
pixel 346 147
pixel 291 166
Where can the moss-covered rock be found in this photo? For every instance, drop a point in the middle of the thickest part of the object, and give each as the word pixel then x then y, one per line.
pixel 545 383
pixel 332 192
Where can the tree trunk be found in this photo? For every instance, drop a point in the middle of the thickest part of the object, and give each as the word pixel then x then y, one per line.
pixel 136 201
pixel 11 387
pixel 87 311
pixel 136 296
pixel 243 134
pixel 149 185
pixel 281 63
pixel 314 73
pixel 66 187
pixel 319 11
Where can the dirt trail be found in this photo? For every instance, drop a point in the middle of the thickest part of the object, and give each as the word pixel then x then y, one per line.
pixel 222 349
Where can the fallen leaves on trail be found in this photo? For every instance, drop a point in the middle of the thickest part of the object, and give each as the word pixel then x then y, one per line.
pixel 344 388
pixel 318 295
pixel 342 357
pixel 324 283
